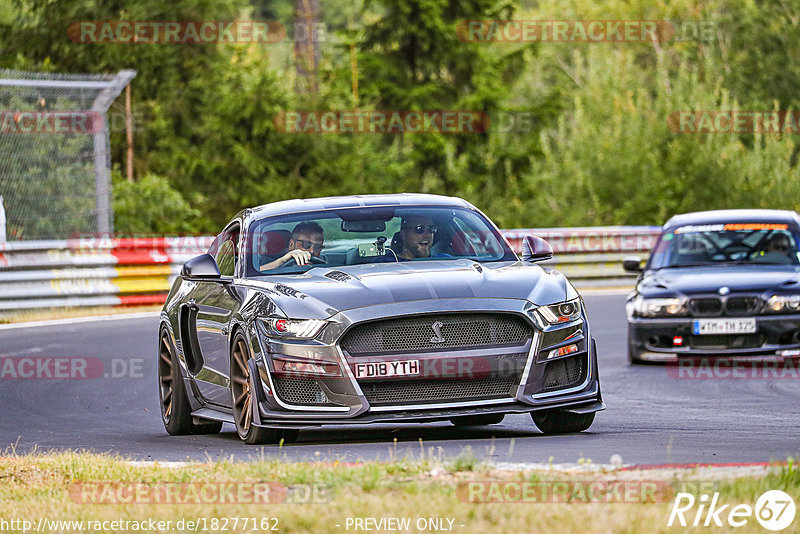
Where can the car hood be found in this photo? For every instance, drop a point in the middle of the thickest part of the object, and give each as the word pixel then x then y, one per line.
pixel 737 278
pixel 324 291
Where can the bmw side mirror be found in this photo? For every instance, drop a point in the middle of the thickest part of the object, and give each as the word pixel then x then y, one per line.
pixel 203 266
pixel 535 248
pixel 632 264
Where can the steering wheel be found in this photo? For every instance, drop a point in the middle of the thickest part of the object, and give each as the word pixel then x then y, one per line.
pixel 732 249
pixel 314 261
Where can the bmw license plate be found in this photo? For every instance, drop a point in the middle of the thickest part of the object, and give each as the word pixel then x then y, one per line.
pixel 723 326
pixel 381 369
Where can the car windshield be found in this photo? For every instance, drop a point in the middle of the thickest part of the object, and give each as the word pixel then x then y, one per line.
pixel 740 243
pixel 352 236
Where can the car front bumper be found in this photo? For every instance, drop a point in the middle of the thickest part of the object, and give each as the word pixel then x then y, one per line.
pixel 653 338
pixel 348 404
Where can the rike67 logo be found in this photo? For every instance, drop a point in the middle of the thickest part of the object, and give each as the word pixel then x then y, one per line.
pixel 774 510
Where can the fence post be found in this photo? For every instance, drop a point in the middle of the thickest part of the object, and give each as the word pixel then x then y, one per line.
pixel 102 159
pixel 2 221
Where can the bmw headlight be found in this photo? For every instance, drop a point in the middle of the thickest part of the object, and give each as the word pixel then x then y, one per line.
pixel 659 307
pixel 563 312
pixel 293 328
pixel 783 304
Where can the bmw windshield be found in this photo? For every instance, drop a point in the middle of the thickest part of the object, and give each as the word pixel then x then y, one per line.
pixel 333 238
pixel 741 243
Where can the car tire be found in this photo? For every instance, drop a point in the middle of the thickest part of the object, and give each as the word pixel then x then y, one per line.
pixel 478 420
pixel 176 412
pixel 561 422
pixel 242 401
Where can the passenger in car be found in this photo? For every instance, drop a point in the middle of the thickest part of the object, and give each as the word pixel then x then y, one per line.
pixel 416 236
pixel 307 240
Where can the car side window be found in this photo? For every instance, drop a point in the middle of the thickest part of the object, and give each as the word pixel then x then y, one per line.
pixel 226 255
pixel 214 246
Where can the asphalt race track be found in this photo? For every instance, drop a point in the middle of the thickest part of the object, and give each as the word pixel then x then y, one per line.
pixel 652 417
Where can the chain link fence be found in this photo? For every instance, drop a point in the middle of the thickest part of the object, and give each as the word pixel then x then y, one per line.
pixel 55 162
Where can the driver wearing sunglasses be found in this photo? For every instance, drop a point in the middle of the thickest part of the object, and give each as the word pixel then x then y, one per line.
pixel 307 240
pixel 417 233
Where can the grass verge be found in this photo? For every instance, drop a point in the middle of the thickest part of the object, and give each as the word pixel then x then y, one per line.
pixel 328 497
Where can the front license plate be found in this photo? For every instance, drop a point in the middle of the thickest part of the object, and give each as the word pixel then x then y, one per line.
pixel 381 369
pixel 703 327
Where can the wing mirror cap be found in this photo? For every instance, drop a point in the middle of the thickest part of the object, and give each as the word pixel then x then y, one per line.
pixel 632 264
pixel 203 266
pixel 534 248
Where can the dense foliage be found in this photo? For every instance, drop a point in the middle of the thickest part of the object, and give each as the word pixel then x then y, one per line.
pixel 597 148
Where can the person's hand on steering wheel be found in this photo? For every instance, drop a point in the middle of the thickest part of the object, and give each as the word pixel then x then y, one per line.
pixel 301 257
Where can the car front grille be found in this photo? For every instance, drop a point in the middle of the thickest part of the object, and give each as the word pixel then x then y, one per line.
pixel 422 391
pixel 706 306
pixel 565 372
pixel 743 305
pixel 734 305
pixel 729 341
pixel 303 391
pixel 436 332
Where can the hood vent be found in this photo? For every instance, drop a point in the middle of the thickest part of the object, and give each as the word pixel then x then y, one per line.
pixel 339 276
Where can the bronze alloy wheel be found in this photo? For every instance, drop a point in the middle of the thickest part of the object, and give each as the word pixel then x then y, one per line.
pixel 240 386
pixel 165 377
pixel 242 399
pixel 176 413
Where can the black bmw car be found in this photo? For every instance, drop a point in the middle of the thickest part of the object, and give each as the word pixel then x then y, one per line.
pixel 718 283
pixel 372 309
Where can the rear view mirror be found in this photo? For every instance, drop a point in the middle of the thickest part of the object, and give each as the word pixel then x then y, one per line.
pixel 632 264
pixel 535 248
pixel 203 266
pixel 364 226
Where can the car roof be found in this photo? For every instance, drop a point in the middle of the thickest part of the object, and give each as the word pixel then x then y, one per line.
pixel 356 201
pixel 733 216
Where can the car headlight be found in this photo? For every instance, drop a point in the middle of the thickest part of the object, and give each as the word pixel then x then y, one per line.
pixel 563 312
pixel 783 303
pixel 659 307
pixel 293 328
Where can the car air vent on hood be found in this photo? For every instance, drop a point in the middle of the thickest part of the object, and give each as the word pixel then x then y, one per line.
pixel 339 276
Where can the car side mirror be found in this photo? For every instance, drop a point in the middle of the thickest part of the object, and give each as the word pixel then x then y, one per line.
pixel 632 264
pixel 535 248
pixel 203 266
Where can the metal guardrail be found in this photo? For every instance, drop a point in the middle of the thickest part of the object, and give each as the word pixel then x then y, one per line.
pixel 137 271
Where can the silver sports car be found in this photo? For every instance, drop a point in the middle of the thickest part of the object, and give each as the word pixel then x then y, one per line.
pixel 403 308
